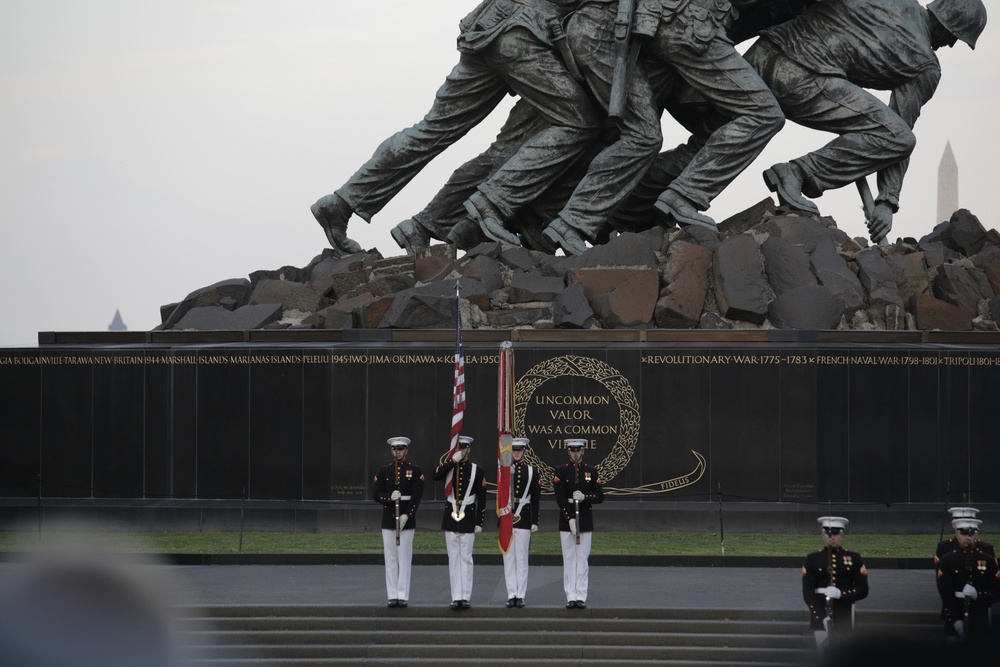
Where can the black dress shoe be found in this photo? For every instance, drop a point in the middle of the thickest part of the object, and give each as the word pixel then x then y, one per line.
pixel 402 603
pixel 519 603
pixel 511 602
pixel 580 604
pixel 571 604
pixel 455 604
pixel 466 604
pixel 393 603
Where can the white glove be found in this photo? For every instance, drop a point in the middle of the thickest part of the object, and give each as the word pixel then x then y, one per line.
pixel 578 495
pixel 572 526
pixel 402 521
pixel 960 628
pixel 832 592
pixel 478 529
pixel 826 623
pixel 534 527
pixel 970 591
pixel 395 495
pixel 457 456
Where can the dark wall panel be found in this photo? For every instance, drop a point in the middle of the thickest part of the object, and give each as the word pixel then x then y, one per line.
pixel 66 425
pixel 119 412
pixel 275 430
pixel 158 426
pixel 792 423
pixel 223 428
pixel 20 405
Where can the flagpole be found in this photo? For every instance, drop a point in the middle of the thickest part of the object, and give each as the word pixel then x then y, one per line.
pixel 505 453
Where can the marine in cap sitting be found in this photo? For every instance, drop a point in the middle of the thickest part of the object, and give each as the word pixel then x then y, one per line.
pixel 833 579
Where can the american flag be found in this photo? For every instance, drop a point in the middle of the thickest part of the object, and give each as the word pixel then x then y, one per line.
pixel 457 394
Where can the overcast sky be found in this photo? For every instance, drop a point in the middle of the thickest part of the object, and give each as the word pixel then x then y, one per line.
pixel 153 148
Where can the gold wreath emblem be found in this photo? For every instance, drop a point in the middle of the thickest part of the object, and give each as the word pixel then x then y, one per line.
pixel 610 379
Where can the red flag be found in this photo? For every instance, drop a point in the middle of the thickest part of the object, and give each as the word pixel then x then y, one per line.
pixel 457 395
pixel 505 424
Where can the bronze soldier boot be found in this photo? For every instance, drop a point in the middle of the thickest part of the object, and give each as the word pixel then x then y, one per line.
pixel 566 237
pixel 676 207
pixel 785 179
pixel 466 234
pixel 411 236
pixel 332 214
pixel 490 220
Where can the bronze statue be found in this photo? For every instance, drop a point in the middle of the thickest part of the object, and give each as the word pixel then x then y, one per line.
pixel 818 66
pixel 505 46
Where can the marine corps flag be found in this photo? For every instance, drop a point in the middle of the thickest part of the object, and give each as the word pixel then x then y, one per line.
pixel 505 456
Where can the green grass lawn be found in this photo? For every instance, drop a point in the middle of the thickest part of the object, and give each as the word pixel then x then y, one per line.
pixel 432 542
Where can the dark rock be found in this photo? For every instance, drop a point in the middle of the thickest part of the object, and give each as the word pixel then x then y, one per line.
pixel 956 286
pixel 383 285
pixel 396 266
pixel 517 258
pixel 630 303
pixel 787 265
pixel 516 317
pixel 490 249
pixel 216 318
pixel 291 295
pixel 334 318
pixel 713 321
pixel 486 270
pixel 806 307
pixel 571 309
pixel 427 268
pixel 910 273
pixel 339 273
pixel 995 308
pixel 938 253
pixel 988 261
pixel 410 310
pixel 531 287
pixel 932 313
pixel 832 271
pixel 877 278
pixel 740 284
pixel 967 232
pixel 237 289
pixel 289 273
pixel 370 316
pixel 229 303
pixel 805 231
pixel 625 250
pixel 699 236
pixel 686 277
pixel 745 220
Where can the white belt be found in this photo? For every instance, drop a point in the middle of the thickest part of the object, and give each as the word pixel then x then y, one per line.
pixel 960 595
pixel 405 497
pixel 820 591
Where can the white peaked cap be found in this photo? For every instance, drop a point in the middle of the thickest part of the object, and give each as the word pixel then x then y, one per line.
pixel 399 440
pixel 833 522
pixel 465 439
pixel 519 442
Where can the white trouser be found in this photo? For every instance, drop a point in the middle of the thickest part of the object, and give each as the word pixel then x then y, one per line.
pixel 515 563
pixel 576 569
pixel 460 563
pixel 398 561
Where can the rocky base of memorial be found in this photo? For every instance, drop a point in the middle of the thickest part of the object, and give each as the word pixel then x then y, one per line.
pixel 765 268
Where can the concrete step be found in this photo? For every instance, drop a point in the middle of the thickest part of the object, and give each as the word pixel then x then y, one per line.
pixel 491 636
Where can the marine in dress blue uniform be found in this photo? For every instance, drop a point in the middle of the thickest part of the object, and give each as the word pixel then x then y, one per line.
pixel 403 482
